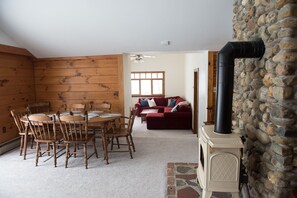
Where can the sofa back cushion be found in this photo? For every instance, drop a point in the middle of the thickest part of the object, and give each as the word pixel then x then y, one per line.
pixel 178 100
pixel 160 101
pixel 151 103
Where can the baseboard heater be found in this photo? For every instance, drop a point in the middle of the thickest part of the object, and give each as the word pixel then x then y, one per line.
pixel 9 145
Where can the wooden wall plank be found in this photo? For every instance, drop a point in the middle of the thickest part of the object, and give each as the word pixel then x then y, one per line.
pixel 61 81
pixel 16 90
pixel 53 80
pixel 80 80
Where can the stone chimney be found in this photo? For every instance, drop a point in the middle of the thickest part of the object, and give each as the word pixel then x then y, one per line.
pixel 265 95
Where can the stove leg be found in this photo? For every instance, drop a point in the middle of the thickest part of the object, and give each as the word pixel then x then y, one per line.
pixel 235 194
pixel 206 194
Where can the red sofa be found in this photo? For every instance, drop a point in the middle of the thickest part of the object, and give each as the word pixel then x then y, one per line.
pixel 165 118
pixel 161 102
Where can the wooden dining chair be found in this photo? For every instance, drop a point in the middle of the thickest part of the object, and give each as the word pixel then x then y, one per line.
pixel 39 107
pixel 104 106
pixel 44 130
pixel 75 132
pixel 79 107
pixel 17 114
pixel 123 131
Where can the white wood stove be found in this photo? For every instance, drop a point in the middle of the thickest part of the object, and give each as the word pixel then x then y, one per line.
pixel 219 148
pixel 219 161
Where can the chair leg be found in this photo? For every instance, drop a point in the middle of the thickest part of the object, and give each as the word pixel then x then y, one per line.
pixel 111 145
pixel 31 141
pixel 67 155
pixel 75 150
pixel 86 155
pixel 37 153
pixel 25 145
pixel 129 147
pixel 48 149
pixel 118 143
pixel 55 154
pixel 132 143
pixel 95 149
pixel 21 145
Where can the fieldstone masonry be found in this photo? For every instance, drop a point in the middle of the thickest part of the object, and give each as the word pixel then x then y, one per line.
pixel 265 95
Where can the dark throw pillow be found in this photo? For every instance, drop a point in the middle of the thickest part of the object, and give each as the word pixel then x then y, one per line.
pixel 171 102
pixel 144 103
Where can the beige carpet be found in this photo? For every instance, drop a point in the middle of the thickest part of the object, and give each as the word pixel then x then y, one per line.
pixel 144 176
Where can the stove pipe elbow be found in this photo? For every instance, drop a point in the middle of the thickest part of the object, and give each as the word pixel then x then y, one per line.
pixel 225 79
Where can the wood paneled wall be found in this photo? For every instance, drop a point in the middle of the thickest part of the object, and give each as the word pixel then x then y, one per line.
pixel 16 87
pixel 60 81
pixel 80 80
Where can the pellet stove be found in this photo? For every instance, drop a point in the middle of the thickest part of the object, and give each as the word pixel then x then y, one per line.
pixel 219 148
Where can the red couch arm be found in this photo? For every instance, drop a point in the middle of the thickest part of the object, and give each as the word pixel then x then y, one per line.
pixel 138 108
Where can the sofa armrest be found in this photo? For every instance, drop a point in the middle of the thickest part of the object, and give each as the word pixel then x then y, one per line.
pixel 138 108
pixel 137 105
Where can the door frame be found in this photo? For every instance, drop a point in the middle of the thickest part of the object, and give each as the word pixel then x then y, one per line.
pixel 196 103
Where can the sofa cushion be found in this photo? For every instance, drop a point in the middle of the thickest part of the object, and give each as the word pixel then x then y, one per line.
pixel 171 102
pixel 151 103
pixel 175 108
pixel 144 103
pixel 160 101
pixel 177 114
pixel 178 100
pixel 160 115
pixel 167 109
pixel 184 108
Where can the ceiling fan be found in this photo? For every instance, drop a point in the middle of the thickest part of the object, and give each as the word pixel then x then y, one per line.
pixel 138 58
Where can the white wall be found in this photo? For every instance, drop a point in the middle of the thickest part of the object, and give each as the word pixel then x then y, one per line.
pixel 127 83
pixel 6 40
pixel 179 77
pixel 172 64
pixel 192 62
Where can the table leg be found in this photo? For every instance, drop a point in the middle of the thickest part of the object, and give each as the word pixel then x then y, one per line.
pixel 105 144
pixel 143 118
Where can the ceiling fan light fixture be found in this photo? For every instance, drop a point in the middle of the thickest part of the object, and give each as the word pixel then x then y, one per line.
pixel 138 58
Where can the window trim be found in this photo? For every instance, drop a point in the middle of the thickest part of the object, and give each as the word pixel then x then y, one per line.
pixel 151 79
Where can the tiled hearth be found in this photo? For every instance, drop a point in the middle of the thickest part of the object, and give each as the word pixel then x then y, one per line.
pixel 182 181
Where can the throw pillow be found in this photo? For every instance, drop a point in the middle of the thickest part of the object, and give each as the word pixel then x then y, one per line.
pixel 151 103
pixel 144 102
pixel 171 102
pixel 184 103
pixel 175 108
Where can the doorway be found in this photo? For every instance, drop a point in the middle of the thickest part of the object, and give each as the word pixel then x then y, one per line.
pixel 196 103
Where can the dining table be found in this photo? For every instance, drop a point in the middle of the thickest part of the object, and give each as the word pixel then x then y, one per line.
pixel 96 119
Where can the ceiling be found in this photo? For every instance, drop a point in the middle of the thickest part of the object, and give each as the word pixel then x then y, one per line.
pixel 58 28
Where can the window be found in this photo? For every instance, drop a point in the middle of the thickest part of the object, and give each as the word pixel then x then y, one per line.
pixel 147 83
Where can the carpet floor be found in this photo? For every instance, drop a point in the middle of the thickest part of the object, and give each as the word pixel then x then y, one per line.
pixel 143 176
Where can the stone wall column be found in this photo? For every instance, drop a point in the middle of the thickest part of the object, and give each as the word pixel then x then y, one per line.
pixel 265 95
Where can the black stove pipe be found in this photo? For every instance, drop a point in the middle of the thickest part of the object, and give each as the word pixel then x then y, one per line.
pixel 225 79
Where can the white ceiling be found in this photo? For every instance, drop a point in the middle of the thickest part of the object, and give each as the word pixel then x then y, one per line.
pixel 60 28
